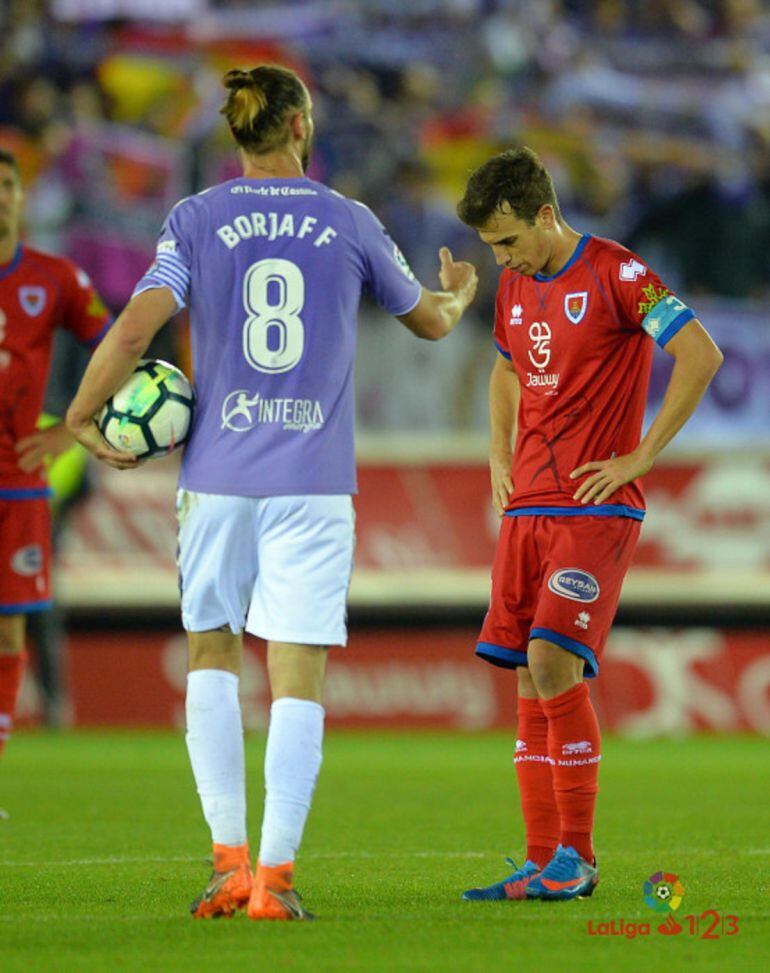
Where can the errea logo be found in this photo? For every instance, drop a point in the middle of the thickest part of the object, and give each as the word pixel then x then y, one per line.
pixel 632 269
pixel 582 620
pixel 516 315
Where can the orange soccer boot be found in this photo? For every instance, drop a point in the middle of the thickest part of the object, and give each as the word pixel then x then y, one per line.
pixel 273 895
pixel 229 886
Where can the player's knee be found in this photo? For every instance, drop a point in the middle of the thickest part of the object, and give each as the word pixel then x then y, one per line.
pixel 216 649
pixel 11 634
pixel 526 684
pixel 296 671
pixel 544 678
pixel 552 669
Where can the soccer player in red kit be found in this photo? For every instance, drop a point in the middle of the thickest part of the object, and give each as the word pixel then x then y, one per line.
pixel 575 321
pixel 38 293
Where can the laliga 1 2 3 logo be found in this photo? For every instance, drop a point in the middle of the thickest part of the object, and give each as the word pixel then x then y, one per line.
pixel 663 892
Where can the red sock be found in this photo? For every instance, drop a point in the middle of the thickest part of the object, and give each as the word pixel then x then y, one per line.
pixel 11 671
pixel 533 770
pixel 574 744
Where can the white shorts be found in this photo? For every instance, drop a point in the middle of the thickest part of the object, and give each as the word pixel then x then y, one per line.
pixel 278 566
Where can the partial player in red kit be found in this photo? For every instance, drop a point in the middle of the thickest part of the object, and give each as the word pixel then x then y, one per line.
pixel 38 293
pixel 575 321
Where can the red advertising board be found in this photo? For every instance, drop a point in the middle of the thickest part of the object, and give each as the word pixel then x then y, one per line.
pixel 653 681
pixel 426 533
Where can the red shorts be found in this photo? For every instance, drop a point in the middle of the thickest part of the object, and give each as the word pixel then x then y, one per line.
pixel 25 555
pixel 558 579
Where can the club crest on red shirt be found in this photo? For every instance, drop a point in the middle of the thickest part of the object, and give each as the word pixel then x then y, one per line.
pixel 575 306
pixel 32 299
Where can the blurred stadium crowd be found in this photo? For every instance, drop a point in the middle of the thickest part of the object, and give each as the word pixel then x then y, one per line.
pixel 653 115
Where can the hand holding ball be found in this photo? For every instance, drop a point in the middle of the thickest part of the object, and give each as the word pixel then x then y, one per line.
pixel 151 414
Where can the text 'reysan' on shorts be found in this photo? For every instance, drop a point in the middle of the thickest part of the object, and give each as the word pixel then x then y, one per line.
pixel 277 566
pixel 557 579
pixel 25 555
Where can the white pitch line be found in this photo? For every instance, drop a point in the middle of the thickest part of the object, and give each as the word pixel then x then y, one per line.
pixel 201 859
pixel 323 855
pixel 328 917
pixel 68 862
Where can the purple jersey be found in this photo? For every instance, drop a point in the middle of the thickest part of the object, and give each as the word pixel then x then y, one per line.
pixel 272 271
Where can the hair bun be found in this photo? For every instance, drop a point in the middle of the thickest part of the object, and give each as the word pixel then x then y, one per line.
pixel 236 79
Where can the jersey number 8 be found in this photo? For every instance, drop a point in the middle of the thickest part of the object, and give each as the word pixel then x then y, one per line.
pixel 273 296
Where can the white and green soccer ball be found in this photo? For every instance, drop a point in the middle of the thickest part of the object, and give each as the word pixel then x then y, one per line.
pixel 151 414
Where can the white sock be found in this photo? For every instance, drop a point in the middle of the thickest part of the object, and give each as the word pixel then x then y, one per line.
pixel 215 745
pixel 292 761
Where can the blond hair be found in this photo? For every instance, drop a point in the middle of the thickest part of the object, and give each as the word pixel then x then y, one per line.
pixel 259 103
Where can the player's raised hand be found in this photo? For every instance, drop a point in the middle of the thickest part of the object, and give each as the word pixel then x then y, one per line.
pixel 502 483
pixel 87 434
pixel 457 275
pixel 43 446
pixel 607 475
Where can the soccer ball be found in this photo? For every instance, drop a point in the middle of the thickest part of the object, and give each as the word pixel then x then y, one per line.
pixel 150 414
pixel 663 892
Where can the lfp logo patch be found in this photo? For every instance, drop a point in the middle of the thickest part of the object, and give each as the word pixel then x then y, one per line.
pixel 402 262
pixel 575 306
pixel 663 892
pixel 575 584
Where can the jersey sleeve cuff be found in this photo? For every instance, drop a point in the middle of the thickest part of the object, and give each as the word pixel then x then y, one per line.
pixel 97 338
pixel 148 284
pixel 503 352
pixel 408 307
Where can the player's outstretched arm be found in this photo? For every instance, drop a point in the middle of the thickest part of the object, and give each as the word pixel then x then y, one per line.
pixel 437 312
pixel 697 360
pixel 504 393
pixel 111 364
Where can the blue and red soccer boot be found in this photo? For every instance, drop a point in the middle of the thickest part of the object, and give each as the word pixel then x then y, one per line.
pixel 513 887
pixel 566 876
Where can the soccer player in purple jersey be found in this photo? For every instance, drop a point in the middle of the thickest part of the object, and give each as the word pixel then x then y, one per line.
pixel 272 266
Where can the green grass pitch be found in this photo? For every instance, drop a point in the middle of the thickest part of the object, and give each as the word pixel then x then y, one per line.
pixel 105 847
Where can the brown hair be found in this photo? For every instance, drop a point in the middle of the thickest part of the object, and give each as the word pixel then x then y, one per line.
pixel 259 103
pixel 516 177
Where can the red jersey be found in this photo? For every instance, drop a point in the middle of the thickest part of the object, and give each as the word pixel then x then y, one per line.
pixel 580 344
pixel 38 293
